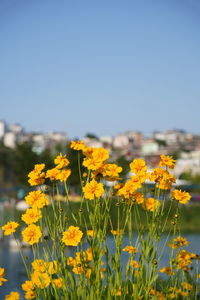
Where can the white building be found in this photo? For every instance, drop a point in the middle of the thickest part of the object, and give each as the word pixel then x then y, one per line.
pixel 149 147
pixel 120 141
pixel 10 139
pixel 16 128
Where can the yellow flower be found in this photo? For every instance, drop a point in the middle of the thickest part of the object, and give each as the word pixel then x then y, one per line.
pixel 186 286
pixel 52 174
pixel 41 280
pixel 167 161
pixel 10 227
pixel 39 265
pixel 117 232
pixel 32 215
pixel 130 187
pixel 78 269
pixel 13 296
pixel 72 236
pixel 31 234
pixel 151 204
pixel 61 161
pixel 134 264
pixel 95 158
pixel 138 166
pixel 139 197
pixel 37 199
pixel 2 274
pixel 130 249
pixel 77 145
pixel 30 294
pixel 112 171
pixel 63 175
pixel 57 282
pixel 178 242
pixel 91 233
pixel 93 189
pixel 27 286
pixel 37 176
pixel 182 196
pixel 52 267
pixel 167 270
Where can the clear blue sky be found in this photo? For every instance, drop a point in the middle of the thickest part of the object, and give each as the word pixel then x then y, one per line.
pixel 100 66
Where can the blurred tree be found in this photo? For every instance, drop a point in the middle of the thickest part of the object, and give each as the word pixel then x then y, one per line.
pixel 74 156
pixel 92 136
pixel 24 159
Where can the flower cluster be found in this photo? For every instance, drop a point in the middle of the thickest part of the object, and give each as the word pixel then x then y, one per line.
pixel 56 227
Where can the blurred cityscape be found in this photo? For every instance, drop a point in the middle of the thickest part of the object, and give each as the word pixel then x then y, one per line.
pixel 183 146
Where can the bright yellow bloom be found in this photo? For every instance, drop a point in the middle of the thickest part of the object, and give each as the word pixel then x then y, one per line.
pixel 91 233
pixel 72 236
pixel 166 182
pixel 27 286
pixel 13 296
pixel 57 282
pixel 2 274
pixel 77 145
pixel 151 204
pixel 63 175
pixel 41 280
pixel 93 189
pixel 52 174
pixel 78 269
pixel 167 270
pixel 39 265
pixel 138 166
pixel 31 234
pixel 92 164
pixel 32 215
pixel 182 196
pixel 37 176
pixel 37 199
pixel 130 249
pixel 95 158
pixel 167 161
pixel 184 258
pixel 139 197
pixel 10 227
pixel 112 171
pixel 61 161
pixel 163 178
pixel 30 294
pixel 178 242
pixel 134 264
pixel 129 188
